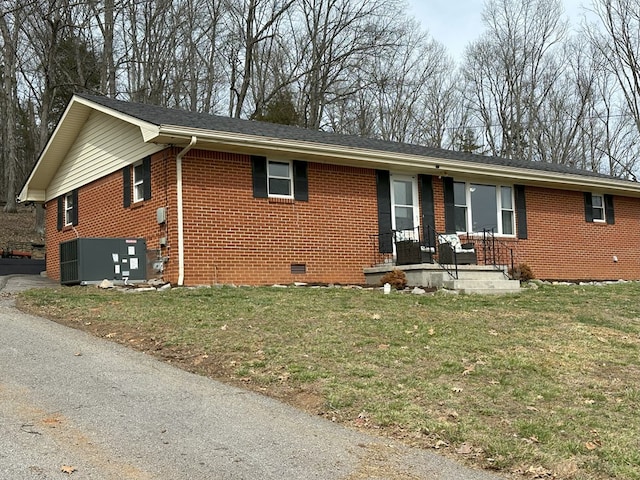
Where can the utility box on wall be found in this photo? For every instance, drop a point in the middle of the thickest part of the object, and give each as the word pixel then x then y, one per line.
pixel 91 260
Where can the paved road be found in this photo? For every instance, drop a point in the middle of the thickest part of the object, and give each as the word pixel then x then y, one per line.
pixel 68 399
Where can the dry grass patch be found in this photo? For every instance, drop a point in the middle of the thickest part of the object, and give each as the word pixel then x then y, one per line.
pixel 539 385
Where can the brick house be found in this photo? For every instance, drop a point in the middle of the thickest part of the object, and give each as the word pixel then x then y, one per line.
pixel 247 202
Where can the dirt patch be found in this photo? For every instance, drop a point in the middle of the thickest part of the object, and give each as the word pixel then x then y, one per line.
pixel 17 232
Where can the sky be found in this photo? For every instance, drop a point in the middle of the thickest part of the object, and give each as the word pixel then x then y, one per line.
pixel 455 23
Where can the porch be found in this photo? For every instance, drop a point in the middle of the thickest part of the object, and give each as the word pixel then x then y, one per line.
pixel 464 263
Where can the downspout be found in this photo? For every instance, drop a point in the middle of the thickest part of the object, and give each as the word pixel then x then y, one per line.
pixel 180 215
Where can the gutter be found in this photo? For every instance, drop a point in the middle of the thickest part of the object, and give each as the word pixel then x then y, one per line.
pixel 182 153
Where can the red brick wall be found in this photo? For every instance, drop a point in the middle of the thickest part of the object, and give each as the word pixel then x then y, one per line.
pixel 232 237
pixel 101 212
pixel 562 245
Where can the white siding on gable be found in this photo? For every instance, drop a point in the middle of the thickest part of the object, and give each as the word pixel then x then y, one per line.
pixel 104 145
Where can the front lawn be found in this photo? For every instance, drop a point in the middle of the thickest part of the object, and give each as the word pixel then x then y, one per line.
pixel 544 384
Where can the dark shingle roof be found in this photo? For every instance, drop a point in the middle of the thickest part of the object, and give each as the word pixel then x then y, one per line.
pixel 165 116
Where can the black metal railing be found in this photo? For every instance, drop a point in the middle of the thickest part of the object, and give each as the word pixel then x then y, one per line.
pixel 498 253
pixel 426 245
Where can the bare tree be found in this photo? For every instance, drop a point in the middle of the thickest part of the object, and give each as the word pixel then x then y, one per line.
pixel 253 22
pixel 511 68
pixel 338 35
pixel 619 43
pixel 412 89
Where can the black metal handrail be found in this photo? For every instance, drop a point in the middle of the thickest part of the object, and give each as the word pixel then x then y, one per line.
pixel 497 253
pixel 426 245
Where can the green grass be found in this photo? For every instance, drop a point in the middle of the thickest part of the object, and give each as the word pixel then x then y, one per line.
pixel 546 380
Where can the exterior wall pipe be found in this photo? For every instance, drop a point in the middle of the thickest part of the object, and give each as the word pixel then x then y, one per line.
pixel 180 213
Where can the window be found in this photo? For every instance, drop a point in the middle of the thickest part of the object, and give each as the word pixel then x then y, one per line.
pixel 599 208
pixel 69 207
pixel 138 182
pixel 405 203
pixel 479 207
pixel 460 206
pixel 138 174
pixel 506 205
pixel 597 204
pixel 279 179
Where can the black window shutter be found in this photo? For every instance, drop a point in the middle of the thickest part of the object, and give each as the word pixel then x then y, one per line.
pixel 383 186
pixel 588 207
pixel 259 172
pixel 146 178
pixel 449 205
pixel 126 186
pixel 608 209
pixel 428 211
pixel 74 211
pixel 60 212
pixel 521 212
pixel 300 181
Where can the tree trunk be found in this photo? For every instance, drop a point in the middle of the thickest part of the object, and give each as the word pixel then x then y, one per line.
pixel 10 62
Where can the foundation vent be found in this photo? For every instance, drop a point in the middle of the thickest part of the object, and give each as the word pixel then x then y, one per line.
pixel 298 268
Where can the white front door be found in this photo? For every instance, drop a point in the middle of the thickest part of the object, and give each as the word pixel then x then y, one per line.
pixel 405 217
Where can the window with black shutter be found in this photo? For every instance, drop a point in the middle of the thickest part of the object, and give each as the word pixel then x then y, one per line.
pixel 68 209
pixel 598 208
pixel 279 178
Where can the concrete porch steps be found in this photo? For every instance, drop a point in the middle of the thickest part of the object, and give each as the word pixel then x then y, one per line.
pixel 479 279
pixel 484 287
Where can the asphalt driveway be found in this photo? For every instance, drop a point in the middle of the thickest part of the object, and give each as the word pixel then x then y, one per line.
pixel 70 401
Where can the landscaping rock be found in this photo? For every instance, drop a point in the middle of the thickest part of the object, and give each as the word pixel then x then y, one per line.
pixel 164 288
pixel 444 291
pixel 141 289
pixel 105 284
pixel 418 291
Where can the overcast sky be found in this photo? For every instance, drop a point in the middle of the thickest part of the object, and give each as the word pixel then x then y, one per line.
pixel 455 23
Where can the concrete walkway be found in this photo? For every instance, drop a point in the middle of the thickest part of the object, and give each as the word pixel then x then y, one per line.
pixel 72 401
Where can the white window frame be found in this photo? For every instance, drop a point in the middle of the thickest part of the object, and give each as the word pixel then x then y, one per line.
pixel 138 183
pixel 415 206
pixel 68 209
pixel 502 209
pixel 601 207
pixel 469 207
pixel 289 178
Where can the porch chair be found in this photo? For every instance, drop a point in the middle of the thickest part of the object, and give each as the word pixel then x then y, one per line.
pixel 451 250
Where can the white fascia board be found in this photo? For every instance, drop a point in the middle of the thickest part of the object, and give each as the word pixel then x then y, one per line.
pixel 31 195
pixel 61 140
pixel 28 194
pixel 328 153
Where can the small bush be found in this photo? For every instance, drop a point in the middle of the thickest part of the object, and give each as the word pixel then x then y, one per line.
pixel 522 272
pixel 396 278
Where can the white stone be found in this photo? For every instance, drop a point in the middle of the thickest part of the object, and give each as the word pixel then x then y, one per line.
pixel 141 289
pixel 418 291
pixel 106 284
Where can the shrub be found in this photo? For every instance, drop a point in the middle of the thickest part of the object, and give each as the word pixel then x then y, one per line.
pixel 396 278
pixel 522 272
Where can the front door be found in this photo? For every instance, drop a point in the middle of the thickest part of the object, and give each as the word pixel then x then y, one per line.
pixel 405 218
